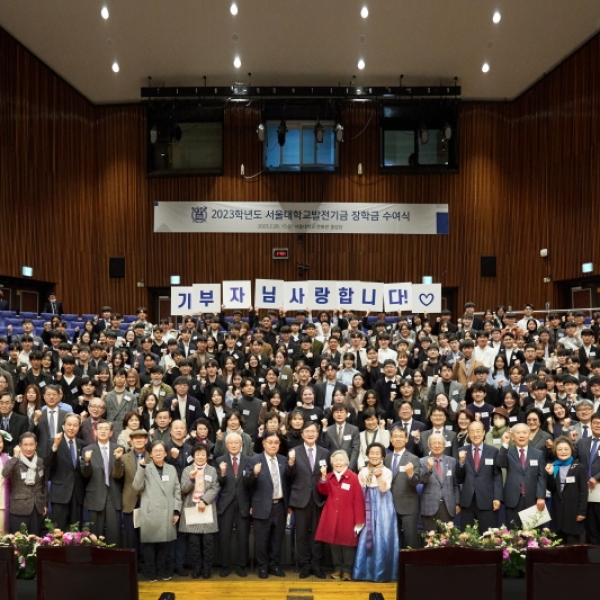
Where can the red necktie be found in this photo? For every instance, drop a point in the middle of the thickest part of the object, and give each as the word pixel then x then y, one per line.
pixel 235 465
pixel 438 466
pixel 476 458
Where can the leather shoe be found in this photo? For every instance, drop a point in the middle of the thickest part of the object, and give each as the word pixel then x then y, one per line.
pixel 263 575
pixel 225 572
pixel 195 573
pixel 337 575
pixel 318 573
pixel 304 573
pixel 346 577
pixel 181 572
pixel 241 572
pixel 206 575
pixel 276 571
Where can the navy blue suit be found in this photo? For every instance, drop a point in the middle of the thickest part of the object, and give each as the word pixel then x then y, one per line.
pixel 479 488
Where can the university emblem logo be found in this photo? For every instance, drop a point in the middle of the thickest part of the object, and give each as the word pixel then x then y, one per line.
pixel 199 214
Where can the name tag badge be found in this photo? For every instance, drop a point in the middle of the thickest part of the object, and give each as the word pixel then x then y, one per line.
pixel 455 393
pixel 449 427
pixel 347 438
pixel 512 419
pixel 283 376
pixel 161 393
pixel 23 475
pixel 448 443
pixel 592 354
pixel 485 415
pixel 192 407
pixel 246 412
pixel 545 410
pixel 345 486
pixel 393 386
pixel 190 459
pixel 313 417
pixel 74 390
pixel 208 478
pixel 42 384
pixel 417 411
pixel 489 462
pixel 165 478
pixel 261 380
pixel 448 473
pixel 497 441
pixel 402 469
pixel 127 398
pixel 322 463
pixel 236 357
pixel 570 479
pixel 533 463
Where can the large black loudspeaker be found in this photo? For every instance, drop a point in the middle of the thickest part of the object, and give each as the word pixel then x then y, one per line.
pixel 488 266
pixel 116 267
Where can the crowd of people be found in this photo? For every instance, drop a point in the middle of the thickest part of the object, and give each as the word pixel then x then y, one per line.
pixel 352 432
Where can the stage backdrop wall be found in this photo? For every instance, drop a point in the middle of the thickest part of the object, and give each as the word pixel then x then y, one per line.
pixel 73 193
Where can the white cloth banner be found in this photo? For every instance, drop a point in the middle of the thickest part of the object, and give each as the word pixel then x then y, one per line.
pixel 326 217
pixel 301 295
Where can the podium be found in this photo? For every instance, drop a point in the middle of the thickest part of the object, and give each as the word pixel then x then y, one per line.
pixel 8 574
pixel 453 573
pixel 562 572
pixel 76 572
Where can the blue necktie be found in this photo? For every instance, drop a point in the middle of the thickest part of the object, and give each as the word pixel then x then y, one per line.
pixel 73 455
pixel 593 454
pixel 395 464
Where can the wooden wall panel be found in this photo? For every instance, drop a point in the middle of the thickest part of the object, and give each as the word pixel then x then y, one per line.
pixel 72 180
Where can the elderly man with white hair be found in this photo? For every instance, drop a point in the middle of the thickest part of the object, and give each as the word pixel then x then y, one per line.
pixel 440 497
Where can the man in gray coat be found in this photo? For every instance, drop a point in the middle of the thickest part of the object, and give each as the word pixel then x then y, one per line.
pixel 405 478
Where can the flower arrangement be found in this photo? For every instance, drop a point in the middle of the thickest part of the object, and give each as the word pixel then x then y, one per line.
pixel 73 537
pixel 26 544
pixel 514 542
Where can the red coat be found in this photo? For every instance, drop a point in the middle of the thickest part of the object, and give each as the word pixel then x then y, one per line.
pixel 344 508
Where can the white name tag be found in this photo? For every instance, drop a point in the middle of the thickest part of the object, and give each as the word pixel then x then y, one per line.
pixel 190 459
pixel 161 393
pixel 347 438
pixel 261 380
pixel 23 475
pixel 485 415
pixel 449 427
pixel 208 478
pixel 489 462
pixel 42 384
pixel 127 398
pixel 236 357
pixel 165 478
pixel 512 419
pixel 448 473
pixel 417 411
pixel 313 417
pixel 592 354
pixel 497 441
pixel 393 386
pixel 191 407
pixel 345 486
pixel 533 463
pixel 73 390
pixel 246 412
pixel 570 479
pixel 545 410
pixel 455 393
pixel 448 443
pixel 322 463
pixel 401 469
pixel 283 376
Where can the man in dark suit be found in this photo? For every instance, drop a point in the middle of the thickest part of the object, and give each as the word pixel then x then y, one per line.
pixel 47 423
pixel 304 467
pixel 587 451
pixel 438 417
pixel 412 427
pixel 101 464
pixel 324 391
pixel 11 422
pixel 233 506
pixel 387 384
pixel 265 475
pixel 343 436
pixel 182 405
pixel 405 478
pixel 525 474
pixel 63 465
pixel 27 502
pixel 481 480
pixel 53 306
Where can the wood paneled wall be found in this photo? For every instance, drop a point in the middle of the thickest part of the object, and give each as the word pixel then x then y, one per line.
pixel 73 193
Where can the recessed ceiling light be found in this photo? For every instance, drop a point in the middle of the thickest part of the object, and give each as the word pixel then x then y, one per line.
pixel 233 9
pixel 104 12
pixel 237 63
pixel 364 13
pixel 496 18
pixel 361 64
pixel 115 67
pixel 485 67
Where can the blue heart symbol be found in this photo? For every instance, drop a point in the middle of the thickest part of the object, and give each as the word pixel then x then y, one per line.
pixel 426 299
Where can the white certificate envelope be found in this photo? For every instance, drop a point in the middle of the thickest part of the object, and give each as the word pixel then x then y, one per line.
pixel 594 495
pixel 531 517
pixel 194 517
